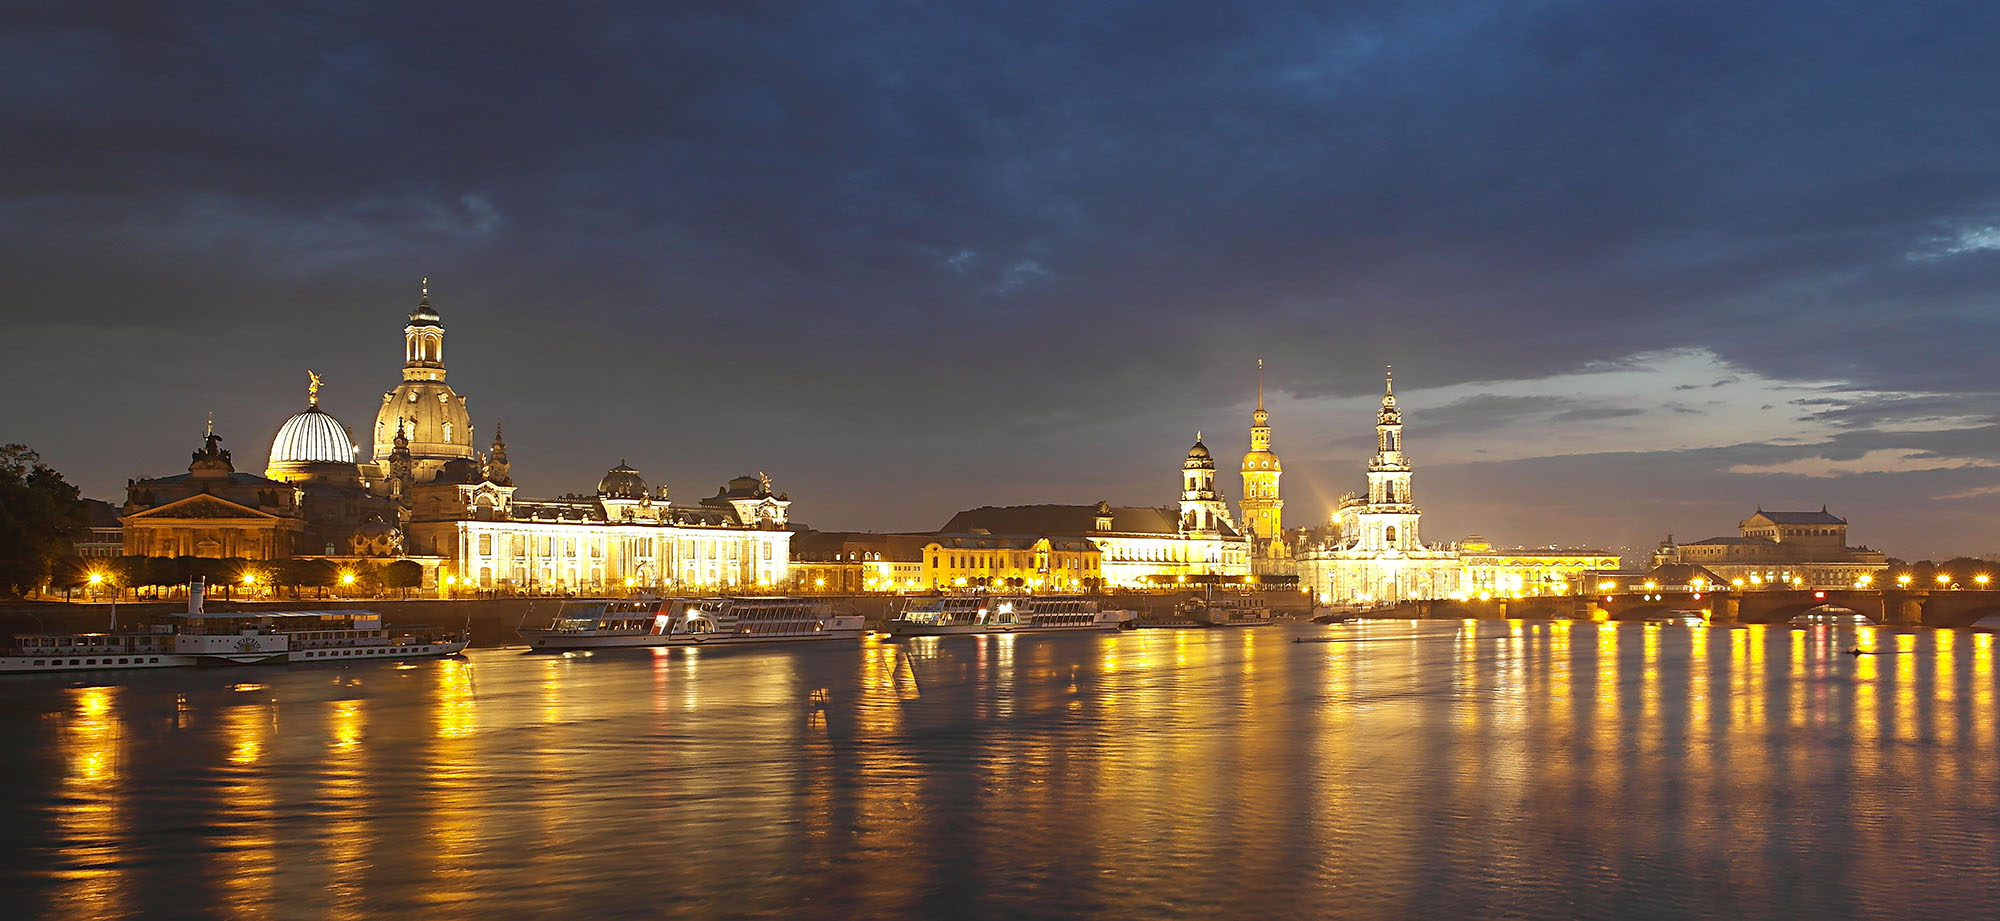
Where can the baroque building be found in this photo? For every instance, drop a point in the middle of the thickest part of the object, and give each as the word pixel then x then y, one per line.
pixel 423 410
pixel 1796 549
pixel 1137 546
pixel 1372 552
pixel 211 511
pixel 425 493
pixel 1262 505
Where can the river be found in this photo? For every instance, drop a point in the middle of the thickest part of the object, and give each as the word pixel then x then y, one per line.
pixel 1404 770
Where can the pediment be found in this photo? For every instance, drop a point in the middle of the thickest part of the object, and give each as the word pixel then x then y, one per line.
pixel 203 506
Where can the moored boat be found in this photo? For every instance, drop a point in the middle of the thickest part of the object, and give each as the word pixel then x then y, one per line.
pixel 955 614
pixel 607 623
pixel 1227 611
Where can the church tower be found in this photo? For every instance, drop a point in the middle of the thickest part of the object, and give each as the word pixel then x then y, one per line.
pixel 1389 519
pixel 431 415
pixel 1263 510
pixel 1202 508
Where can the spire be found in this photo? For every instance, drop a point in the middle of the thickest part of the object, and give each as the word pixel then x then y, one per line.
pixel 1388 380
pixel 424 288
pixel 211 426
pixel 1260 385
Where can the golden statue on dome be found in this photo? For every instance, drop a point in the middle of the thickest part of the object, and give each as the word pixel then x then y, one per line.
pixel 312 389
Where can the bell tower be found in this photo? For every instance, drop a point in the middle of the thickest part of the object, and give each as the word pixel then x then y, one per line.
pixel 1389 519
pixel 1263 510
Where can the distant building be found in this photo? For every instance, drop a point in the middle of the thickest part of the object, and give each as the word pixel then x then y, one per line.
pixel 106 538
pixel 851 562
pixel 211 511
pixel 1035 563
pixel 1804 549
pixel 1137 545
pixel 1262 504
pixel 1371 552
pixel 624 536
pixel 1533 571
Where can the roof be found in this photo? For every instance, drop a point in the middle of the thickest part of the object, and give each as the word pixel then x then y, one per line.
pixel 234 479
pixel 1068 520
pixel 102 514
pixel 1717 541
pixel 1819 517
pixel 1684 574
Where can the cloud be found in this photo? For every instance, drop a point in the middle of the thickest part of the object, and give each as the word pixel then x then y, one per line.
pixel 1881 460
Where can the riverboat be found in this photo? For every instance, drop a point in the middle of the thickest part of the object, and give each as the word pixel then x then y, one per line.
pixel 1227 611
pixel 231 638
pixel 50 652
pixel 608 623
pixel 955 614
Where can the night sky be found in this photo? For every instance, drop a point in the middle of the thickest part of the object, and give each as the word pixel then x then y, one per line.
pixel 1639 266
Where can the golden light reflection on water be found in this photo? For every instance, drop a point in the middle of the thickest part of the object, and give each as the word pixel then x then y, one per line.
pixel 453 831
pixel 89 818
pixel 344 783
pixel 248 860
pixel 1433 770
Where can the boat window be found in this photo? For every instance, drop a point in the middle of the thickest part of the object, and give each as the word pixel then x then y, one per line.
pixel 38 661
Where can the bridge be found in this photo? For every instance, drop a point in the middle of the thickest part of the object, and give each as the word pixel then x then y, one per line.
pixel 1892 607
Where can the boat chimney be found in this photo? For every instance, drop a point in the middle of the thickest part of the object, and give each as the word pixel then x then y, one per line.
pixel 194 596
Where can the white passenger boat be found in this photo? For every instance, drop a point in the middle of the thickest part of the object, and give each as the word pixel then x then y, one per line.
pixel 953 614
pixel 1227 611
pixel 231 638
pixel 51 652
pixel 606 623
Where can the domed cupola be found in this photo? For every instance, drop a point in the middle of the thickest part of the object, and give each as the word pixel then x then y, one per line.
pixel 1198 457
pixel 313 447
pixel 621 482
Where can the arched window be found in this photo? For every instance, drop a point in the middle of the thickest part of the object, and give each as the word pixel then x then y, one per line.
pixel 447 431
pixel 1389 535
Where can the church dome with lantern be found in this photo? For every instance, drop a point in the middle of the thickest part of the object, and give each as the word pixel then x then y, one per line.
pixel 431 415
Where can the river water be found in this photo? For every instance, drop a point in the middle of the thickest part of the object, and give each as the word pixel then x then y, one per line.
pixel 1408 770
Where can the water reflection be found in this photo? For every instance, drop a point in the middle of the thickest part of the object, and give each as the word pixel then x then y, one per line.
pixel 1453 769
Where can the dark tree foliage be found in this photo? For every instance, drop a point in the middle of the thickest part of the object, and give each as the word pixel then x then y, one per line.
pixel 403 575
pixel 41 518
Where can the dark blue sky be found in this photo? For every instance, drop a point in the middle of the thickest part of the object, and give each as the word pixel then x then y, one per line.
pixel 1640 266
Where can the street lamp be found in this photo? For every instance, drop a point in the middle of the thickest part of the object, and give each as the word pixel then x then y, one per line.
pixel 1944 578
pixel 1903 580
pixel 1982 579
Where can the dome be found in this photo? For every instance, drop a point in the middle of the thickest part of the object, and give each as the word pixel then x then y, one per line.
pixel 1198 457
pixel 621 482
pixel 312 437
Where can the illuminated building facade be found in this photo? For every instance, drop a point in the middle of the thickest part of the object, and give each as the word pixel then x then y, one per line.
pixel 1788 549
pixel 1262 505
pixel 1547 571
pixel 1372 552
pixel 625 536
pixel 1034 563
pixel 211 511
pixel 851 562
pixel 1137 545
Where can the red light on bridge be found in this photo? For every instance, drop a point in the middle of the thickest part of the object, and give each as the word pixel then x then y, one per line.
pixel 1819 595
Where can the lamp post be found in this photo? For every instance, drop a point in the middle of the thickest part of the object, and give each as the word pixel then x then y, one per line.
pixel 96 579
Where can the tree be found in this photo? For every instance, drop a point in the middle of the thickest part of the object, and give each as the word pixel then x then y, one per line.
pixel 403 575
pixel 41 518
